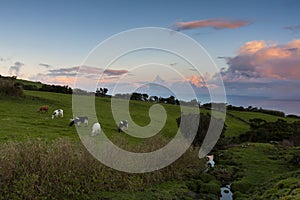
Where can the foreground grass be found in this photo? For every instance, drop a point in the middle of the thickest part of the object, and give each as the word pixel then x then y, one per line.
pixel 40 170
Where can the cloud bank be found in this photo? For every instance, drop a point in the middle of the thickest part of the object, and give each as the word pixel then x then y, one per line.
pixel 258 59
pixel 263 68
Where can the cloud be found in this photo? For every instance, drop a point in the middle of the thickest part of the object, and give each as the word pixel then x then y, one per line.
pixel 262 60
pixel 72 71
pixel 76 70
pixel 87 74
pixel 293 29
pixel 199 82
pixel 213 23
pixel 44 65
pixel 115 72
pixel 15 69
pixel 264 69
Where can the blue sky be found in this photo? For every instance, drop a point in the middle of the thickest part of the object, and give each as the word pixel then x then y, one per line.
pixel 256 52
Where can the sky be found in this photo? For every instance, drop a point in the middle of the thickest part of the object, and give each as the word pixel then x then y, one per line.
pixel 254 46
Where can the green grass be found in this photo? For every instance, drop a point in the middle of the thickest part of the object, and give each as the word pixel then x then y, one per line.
pixel 235 127
pixel 237 121
pixel 260 167
pixel 29 83
pixel 20 120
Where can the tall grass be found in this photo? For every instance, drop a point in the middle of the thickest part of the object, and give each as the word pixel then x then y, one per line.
pixel 65 170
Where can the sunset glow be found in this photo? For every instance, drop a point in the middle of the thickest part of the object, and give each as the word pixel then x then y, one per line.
pixel 256 50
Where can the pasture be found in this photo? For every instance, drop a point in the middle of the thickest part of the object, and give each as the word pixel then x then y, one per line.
pixel 40 154
pixel 20 120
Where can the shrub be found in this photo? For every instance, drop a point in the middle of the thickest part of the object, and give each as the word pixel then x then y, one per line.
pixel 210 188
pixel 8 87
pixel 241 186
pixel 201 124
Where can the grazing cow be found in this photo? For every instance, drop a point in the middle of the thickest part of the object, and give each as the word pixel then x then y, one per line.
pixel 96 129
pixel 43 109
pixel 58 113
pixel 79 120
pixel 123 125
pixel 210 162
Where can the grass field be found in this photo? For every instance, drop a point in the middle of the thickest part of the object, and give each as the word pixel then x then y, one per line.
pixel 260 168
pixel 20 118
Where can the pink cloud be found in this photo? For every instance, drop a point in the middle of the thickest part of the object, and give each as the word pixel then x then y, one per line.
pixel 214 23
pixel 259 59
pixel 198 82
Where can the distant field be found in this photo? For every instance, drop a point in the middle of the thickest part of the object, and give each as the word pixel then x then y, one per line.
pixel 237 121
pixel 250 115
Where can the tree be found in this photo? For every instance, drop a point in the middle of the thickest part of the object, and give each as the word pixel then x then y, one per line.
pixel 145 97
pixel 256 122
pixel 136 96
pixel 189 123
pixel 101 92
pixel 171 100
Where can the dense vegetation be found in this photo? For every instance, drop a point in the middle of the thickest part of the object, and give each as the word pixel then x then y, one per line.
pixel 12 86
pixel 281 130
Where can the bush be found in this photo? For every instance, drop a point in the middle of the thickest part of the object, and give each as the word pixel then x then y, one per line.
pixel 241 186
pixel 210 188
pixel 191 122
pixel 240 196
pixel 8 88
pixel 206 178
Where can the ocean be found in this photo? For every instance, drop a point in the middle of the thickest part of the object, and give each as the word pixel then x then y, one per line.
pixel 286 106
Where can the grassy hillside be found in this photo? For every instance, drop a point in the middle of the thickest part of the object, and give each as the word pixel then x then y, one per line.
pixel 245 115
pixel 238 121
pixel 21 120
pixel 29 83
pixel 37 151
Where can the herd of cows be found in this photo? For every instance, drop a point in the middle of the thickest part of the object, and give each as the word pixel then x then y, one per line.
pixel 96 128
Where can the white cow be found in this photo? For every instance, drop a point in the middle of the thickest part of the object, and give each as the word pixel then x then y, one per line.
pixel 96 129
pixel 58 113
pixel 210 162
pixel 123 125
pixel 79 120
